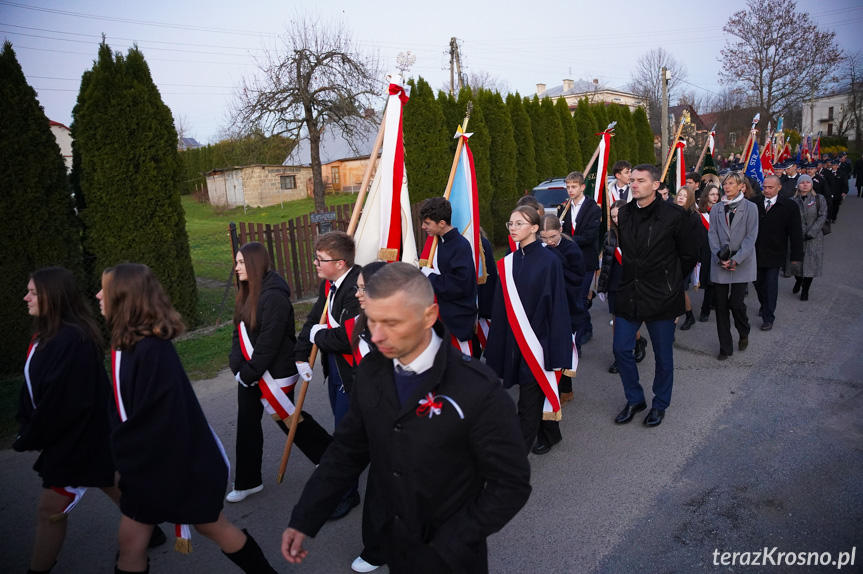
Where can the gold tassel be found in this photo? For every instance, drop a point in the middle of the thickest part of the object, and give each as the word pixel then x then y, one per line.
pixel 569 373
pixel 482 280
pixel 424 262
pixel 55 518
pixel 183 546
pixel 565 398
pixel 388 254
pixel 546 416
pixel 287 421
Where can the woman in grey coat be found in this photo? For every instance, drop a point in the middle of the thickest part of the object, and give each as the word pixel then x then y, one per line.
pixel 733 229
pixel 813 214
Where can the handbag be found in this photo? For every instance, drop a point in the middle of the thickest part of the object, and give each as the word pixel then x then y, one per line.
pixel 826 230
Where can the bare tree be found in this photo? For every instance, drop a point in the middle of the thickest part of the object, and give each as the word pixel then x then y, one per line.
pixel 183 127
pixel 851 113
pixel 645 82
pixel 482 80
pixel 316 78
pixel 772 50
pixel 700 102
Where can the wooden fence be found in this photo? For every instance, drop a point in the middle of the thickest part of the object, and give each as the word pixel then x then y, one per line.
pixel 290 245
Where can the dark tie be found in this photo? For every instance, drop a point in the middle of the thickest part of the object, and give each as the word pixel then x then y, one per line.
pixel 769 205
pixel 624 193
pixel 404 372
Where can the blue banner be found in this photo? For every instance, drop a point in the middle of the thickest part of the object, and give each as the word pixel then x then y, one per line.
pixel 753 165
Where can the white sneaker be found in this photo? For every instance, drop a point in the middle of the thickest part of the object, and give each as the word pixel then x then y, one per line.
pixel 240 495
pixel 360 565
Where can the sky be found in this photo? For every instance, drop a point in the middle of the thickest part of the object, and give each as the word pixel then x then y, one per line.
pixel 199 52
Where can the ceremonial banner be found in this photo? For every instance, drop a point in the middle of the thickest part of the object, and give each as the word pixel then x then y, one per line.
pixel 816 149
pixel 785 155
pixel 709 166
pixel 766 164
pixel 595 178
pixel 676 177
pixel 807 141
pixel 385 229
pixel 753 164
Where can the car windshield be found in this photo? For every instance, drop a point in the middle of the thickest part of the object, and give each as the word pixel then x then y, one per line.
pixel 550 197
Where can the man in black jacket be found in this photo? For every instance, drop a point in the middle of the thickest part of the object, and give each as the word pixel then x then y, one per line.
pixel 440 433
pixel 658 252
pixel 334 260
pixel 453 272
pixel 789 181
pixel 779 223
pixel 580 217
pixel 858 176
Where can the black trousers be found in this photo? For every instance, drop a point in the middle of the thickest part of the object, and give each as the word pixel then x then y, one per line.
pixel 708 301
pixel 837 203
pixel 767 287
pixel 311 438
pixel 730 298
pixel 412 557
pixel 530 402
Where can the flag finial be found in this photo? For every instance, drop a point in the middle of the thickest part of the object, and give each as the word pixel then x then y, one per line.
pixel 404 61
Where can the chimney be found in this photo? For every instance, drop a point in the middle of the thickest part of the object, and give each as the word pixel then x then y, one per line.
pixel 567 85
pixel 540 89
pixel 596 81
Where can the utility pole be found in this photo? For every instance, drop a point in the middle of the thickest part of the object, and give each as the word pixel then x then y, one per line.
pixel 453 50
pixel 663 148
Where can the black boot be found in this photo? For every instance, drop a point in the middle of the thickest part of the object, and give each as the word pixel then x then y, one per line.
pixel 689 322
pixel 250 558
pixel 640 349
pixel 804 296
pixel 798 281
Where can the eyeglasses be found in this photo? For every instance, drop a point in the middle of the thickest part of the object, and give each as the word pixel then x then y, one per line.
pixel 319 261
pixel 516 224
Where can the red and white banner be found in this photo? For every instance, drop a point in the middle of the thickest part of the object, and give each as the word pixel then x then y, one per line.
pixel 385 229
pixel 711 142
pixel 679 179
pixel 602 167
pixel 528 342
pixel 274 392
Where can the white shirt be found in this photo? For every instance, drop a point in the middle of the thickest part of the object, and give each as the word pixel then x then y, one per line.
pixel 616 191
pixel 574 209
pixel 425 360
pixel 768 203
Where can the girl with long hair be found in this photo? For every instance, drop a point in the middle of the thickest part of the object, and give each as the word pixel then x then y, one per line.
pixel 172 465
pixel 263 344
pixel 709 197
pixel 63 407
pixel 609 278
pixel 528 303
pixel 685 198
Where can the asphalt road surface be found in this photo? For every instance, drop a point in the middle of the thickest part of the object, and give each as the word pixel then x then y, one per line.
pixel 758 452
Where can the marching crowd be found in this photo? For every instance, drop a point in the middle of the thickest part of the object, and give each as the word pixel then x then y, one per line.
pixel 413 358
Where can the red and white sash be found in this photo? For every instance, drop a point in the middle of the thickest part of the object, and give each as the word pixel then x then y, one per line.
pixel 618 254
pixel 183 532
pixel 274 392
pixel 483 326
pixel 362 349
pixel 74 493
pixel 527 340
pixel 332 323
pixel 705 220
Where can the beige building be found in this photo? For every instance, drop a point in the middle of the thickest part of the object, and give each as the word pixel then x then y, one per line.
pixel 63 135
pixel 574 90
pixel 258 185
pixel 829 114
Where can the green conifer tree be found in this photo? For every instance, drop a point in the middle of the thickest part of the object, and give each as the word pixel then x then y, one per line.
pixel 502 156
pixel 646 151
pixel 632 137
pixel 570 136
pixel 600 112
pixel 453 114
pixel 526 177
pixel 557 163
pixel 540 137
pixel 40 227
pixel 128 174
pixel 585 125
pixel 427 157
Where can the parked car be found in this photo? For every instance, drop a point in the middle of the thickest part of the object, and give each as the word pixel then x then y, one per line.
pixel 551 193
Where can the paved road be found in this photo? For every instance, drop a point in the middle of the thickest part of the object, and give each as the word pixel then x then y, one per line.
pixel 762 450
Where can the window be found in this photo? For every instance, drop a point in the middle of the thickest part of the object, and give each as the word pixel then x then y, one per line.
pixel 830 113
pixel 732 138
pixel 334 172
pixel 830 128
pixel 288 181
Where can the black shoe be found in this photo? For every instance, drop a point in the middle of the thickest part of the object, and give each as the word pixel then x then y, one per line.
pixel 690 321
pixel 804 296
pixel 742 344
pixel 541 448
pixel 640 349
pixel 157 538
pixel 721 357
pixel 704 317
pixel 797 284
pixel 345 506
pixel 654 418
pixel 767 326
pixel 613 368
pixel 628 412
